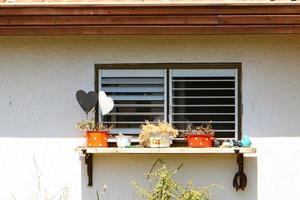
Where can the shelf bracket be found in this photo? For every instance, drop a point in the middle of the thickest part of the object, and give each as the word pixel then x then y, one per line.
pixel 240 178
pixel 88 158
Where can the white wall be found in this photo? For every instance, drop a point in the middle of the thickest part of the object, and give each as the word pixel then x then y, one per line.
pixel 40 75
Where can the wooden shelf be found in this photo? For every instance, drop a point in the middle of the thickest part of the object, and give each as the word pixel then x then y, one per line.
pixel 239 181
pixel 172 150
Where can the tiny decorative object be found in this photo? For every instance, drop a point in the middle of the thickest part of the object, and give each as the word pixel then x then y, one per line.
pixel 240 143
pixel 200 137
pixel 158 135
pixel 235 143
pixel 217 143
pixel 246 142
pixel 106 103
pixel 226 144
pixel 123 140
pixel 87 101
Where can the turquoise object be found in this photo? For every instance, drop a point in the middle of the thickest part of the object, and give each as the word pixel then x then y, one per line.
pixel 246 142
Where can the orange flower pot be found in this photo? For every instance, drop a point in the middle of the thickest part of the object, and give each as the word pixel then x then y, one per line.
pixel 96 138
pixel 200 141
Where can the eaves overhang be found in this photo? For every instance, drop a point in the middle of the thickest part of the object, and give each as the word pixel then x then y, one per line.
pixel 149 19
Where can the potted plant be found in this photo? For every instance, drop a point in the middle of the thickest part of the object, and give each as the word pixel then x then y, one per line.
pixel 201 136
pixel 157 135
pixel 96 133
pixel 123 140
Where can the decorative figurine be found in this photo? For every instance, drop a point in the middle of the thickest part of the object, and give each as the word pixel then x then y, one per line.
pixel 217 143
pixel 226 144
pixel 246 142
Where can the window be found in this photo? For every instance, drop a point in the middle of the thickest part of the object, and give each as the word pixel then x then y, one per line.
pixel 177 93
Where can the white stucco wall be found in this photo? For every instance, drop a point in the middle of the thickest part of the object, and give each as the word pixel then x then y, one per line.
pixel 40 75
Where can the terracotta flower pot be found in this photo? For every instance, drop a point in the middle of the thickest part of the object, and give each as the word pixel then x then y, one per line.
pixel 200 141
pixel 96 138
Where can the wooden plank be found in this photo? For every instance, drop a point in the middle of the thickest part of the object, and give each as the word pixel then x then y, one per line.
pixel 160 9
pixel 219 19
pixel 172 150
pixel 258 19
pixel 108 20
pixel 149 30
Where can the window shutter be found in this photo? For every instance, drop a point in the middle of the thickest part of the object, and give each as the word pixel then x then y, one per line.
pixel 139 95
pixel 198 96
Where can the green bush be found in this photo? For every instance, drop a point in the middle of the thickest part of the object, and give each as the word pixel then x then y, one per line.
pixel 167 188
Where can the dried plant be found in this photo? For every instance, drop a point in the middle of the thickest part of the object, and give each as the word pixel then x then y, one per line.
pixel 204 129
pixel 103 194
pixel 167 188
pixel 41 191
pixel 162 128
pixel 91 125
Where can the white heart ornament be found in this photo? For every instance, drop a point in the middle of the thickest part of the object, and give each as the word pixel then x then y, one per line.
pixel 106 103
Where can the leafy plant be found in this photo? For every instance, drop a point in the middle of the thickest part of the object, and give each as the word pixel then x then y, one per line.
pixel 162 128
pixel 167 188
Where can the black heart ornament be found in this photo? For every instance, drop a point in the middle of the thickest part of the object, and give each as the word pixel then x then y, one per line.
pixel 87 101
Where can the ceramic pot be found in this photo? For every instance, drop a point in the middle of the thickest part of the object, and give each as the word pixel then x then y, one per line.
pixel 123 141
pixel 159 141
pixel 200 141
pixel 96 138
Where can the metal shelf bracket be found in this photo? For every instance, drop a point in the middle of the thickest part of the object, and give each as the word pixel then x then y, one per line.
pixel 88 158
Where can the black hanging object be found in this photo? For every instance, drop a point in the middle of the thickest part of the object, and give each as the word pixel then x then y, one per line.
pixel 87 101
pixel 240 178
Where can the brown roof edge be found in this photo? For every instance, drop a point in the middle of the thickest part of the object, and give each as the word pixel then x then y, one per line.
pixel 204 4
pixel 154 19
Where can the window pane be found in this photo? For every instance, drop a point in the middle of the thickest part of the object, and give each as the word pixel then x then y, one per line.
pixel 139 95
pixel 198 96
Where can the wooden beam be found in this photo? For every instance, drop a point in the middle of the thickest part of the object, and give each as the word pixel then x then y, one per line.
pixel 159 9
pixel 149 30
pixel 177 19
pixel 259 19
pixel 107 20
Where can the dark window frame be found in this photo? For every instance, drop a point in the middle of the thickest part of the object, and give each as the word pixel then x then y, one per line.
pixel 218 65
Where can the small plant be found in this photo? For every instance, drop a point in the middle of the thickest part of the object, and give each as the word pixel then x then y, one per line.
pixel 91 125
pixel 204 129
pixel 41 191
pixel 162 128
pixel 167 188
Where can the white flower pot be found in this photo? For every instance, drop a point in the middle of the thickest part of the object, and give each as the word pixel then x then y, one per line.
pixel 123 141
pixel 160 141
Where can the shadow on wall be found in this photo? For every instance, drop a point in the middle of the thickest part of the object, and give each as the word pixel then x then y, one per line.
pixel 117 171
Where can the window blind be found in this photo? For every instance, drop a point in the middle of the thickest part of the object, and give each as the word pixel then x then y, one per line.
pixel 199 96
pixel 138 94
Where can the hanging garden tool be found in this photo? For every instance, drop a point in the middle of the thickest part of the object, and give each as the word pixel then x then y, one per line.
pixel 240 178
